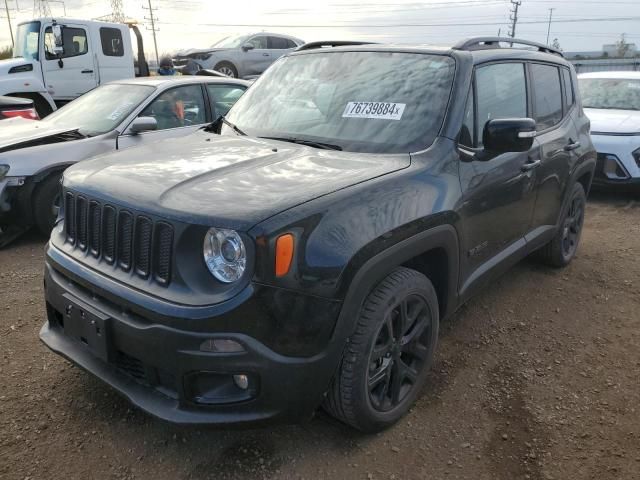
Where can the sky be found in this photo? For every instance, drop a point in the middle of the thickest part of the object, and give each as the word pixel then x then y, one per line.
pixel 200 23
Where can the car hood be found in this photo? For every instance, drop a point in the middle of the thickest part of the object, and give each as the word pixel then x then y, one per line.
pixel 223 181
pixel 17 133
pixel 191 51
pixel 613 121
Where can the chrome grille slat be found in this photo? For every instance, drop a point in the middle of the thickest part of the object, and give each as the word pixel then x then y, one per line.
pixel 120 237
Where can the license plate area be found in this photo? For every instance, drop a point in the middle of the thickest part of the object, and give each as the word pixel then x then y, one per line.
pixel 88 326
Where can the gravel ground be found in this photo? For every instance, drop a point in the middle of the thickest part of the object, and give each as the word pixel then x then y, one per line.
pixel 536 378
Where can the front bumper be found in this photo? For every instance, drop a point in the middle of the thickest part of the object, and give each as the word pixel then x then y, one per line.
pixel 616 164
pixel 161 369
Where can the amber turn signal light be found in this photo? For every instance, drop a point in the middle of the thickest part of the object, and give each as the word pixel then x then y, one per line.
pixel 284 254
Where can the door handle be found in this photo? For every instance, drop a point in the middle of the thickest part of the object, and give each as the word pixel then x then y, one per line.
pixel 265 54
pixel 531 165
pixel 571 146
pixel 86 71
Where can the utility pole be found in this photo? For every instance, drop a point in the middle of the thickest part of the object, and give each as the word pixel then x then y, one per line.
pixel 549 29
pixel 6 6
pixel 117 12
pixel 514 16
pixel 153 19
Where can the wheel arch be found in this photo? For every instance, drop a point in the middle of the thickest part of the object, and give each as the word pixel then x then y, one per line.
pixel 433 252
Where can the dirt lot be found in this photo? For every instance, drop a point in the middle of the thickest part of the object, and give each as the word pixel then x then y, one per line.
pixel 537 378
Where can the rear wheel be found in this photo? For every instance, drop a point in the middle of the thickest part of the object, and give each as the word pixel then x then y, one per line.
pixel 560 251
pixel 385 362
pixel 46 203
pixel 227 68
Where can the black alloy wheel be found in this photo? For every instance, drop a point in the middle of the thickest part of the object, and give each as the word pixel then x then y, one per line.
pixel 399 353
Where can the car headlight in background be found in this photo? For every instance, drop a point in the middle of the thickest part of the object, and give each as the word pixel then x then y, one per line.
pixel 4 169
pixel 224 254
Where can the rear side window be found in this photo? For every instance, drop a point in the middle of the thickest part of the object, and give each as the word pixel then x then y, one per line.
pixel 111 39
pixel 569 95
pixel 502 93
pixel 290 43
pixel 547 96
pixel 277 43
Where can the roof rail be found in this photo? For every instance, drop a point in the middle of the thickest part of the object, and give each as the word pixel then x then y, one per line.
pixel 330 43
pixel 481 43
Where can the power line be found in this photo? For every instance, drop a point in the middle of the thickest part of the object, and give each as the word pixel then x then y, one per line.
pixel 401 25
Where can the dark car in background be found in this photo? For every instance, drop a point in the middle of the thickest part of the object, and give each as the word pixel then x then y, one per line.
pixel 307 255
pixel 11 107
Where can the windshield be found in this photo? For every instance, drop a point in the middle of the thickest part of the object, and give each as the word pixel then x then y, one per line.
pixel 377 102
pixel 27 37
pixel 610 93
pixel 101 110
pixel 231 42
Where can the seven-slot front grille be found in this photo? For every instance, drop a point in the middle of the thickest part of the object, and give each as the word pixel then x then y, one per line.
pixel 118 236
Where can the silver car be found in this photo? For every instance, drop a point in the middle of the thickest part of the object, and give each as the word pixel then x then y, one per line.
pixel 241 56
pixel 117 115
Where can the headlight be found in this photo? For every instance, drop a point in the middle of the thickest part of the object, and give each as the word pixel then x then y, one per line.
pixel 4 169
pixel 224 254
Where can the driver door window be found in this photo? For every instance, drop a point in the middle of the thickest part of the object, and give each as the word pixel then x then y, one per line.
pixel 177 108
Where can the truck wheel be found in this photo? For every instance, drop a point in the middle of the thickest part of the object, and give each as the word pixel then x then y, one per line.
pixel 46 203
pixel 560 251
pixel 227 68
pixel 386 360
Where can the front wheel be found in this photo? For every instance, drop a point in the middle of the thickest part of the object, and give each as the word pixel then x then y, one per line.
pixel 227 68
pixel 386 361
pixel 563 247
pixel 46 203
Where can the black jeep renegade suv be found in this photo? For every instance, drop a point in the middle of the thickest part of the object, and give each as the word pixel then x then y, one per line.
pixel 355 197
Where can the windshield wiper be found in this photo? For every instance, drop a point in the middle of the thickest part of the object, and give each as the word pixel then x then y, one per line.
pixel 309 143
pixel 216 126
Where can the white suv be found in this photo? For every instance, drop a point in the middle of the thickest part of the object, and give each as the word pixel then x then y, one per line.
pixel 612 102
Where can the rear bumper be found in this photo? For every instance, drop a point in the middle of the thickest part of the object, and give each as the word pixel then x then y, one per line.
pixel 162 370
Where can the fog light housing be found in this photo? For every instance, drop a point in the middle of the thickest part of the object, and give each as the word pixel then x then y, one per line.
pixel 611 167
pixel 221 345
pixel 241 381
pixel 210 388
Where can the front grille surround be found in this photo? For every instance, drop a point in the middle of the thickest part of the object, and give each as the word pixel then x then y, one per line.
pixel 130 242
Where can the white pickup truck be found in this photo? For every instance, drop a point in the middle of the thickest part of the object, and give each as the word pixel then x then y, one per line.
pixel 55 61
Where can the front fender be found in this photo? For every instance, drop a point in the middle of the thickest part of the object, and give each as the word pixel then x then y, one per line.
pixel 19 83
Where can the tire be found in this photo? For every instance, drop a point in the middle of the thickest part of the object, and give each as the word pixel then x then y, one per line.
pixel 562 248
pixel 46 200
pixel 374 388
pixel 227 68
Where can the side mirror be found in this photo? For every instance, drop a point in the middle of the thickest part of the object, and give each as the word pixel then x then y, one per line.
pixel 248 46
pixel 509 135
pixel 143 124
pixel 58 48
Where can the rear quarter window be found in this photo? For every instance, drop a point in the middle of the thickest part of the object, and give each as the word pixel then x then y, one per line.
pixel 111 40
pixel 547 96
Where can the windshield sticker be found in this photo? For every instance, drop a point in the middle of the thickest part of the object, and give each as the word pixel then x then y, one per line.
pixel 634 85
pixel 381 110
pixel 117 113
